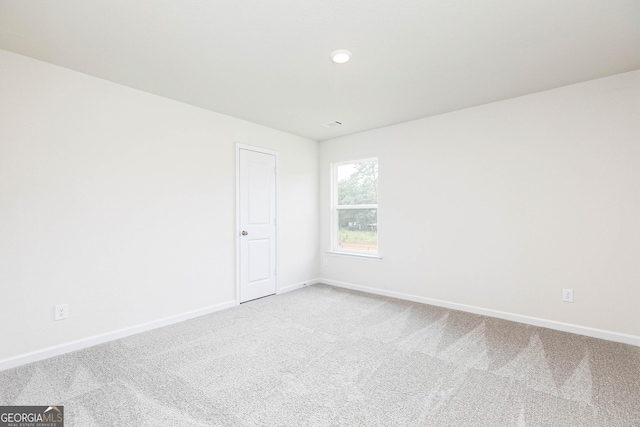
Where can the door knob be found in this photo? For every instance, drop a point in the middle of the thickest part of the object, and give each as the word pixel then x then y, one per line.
pixel 244 233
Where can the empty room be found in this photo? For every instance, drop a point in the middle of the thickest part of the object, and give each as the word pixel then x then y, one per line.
pixel 327 213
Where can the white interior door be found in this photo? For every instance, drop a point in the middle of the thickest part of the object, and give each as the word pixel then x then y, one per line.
pixel 257 205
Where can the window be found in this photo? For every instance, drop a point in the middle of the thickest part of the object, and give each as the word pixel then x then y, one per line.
pixel 355 202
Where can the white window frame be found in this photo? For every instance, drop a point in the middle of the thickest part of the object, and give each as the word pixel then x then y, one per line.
pixel 335 250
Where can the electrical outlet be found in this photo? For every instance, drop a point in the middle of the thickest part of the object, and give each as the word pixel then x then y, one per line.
pixel 326 262
pixel 62 312
pixel 567 295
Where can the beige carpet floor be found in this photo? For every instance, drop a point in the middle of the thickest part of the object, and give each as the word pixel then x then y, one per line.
pixel 323 356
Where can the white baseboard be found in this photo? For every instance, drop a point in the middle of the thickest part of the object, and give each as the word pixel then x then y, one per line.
pixel 295 286
pixel 57 350
pixel 535 321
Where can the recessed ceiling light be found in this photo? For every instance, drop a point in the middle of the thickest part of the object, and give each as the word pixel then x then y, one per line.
pixel 341 56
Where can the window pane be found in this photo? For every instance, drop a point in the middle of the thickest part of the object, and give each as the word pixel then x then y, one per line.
pixel 358 183
pixel 358 229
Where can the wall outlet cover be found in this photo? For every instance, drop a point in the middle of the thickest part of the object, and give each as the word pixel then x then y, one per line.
pixel 567 295
pixel 62 312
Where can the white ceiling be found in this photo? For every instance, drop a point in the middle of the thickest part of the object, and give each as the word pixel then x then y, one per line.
pixel 267 61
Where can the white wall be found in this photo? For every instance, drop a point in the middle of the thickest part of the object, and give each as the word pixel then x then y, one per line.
pixel 122 204
pixel 503 205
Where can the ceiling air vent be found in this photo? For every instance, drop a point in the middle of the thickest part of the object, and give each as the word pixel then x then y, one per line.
pixel 332 124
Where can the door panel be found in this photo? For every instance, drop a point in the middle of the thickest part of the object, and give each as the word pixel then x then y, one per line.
pixel 259 259
pixel 257 224
pixel 258 197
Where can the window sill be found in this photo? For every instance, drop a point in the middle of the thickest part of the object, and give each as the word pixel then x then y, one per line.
pixel 367 257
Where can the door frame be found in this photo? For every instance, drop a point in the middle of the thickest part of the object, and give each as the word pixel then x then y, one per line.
pixel 237 232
